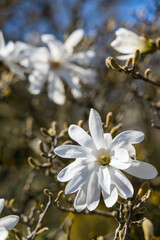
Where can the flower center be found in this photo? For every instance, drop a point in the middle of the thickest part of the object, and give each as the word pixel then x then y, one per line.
pixel 105 159
pixel 55 65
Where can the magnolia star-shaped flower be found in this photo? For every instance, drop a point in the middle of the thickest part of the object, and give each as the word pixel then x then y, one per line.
pixel 11 54
pixel 97 164
pixel 6 223
pixel 57 62
pixel 127 42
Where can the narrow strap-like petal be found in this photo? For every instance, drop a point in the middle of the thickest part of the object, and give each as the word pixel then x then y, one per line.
pixel 131 150
pixel 80 136
pixel 107 139
pixel 80 200
pixel 36 80
pixel 55 46
pixel 123 185
pixel 3 233
pixel 93 192
pixel 55 88
pixel 125 138
pixel 87 75
pixel 71 170
pixel 105 179
pixel 68 78
pixel 83 58
pixel 9 221
pixel 142 170
pixel 2 42
pixel 70 151
pixel 2 201
pixel 74 39
pixel 110 199
pixel 95 127
pixel 120 159
pixel 76 182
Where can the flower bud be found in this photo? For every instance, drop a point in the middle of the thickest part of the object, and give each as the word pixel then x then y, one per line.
pixel 115 129
pixel 11 202
pixel 44 132
pixel 149 193
pixel 136 57
pixel 41 146
pixel 107 62
pixel 143 190
pixel 147 72
pixel 128 62
pixel 80 123
pixel 147 227
pixel 109 118
pixel 112 62
pixel 33 162
pixel 47 192
pixel 42 230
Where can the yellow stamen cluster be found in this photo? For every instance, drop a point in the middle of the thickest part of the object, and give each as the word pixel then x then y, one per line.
pixel 105 159
pixel 55 65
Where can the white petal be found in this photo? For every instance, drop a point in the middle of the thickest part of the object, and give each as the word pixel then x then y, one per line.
pixel 80 200
pixel 110 199
pixel 120 154
pixel 120 165
pixel 107 139
pixel 2 202
pixel 122 46
pixel 131 150
pixel 142 170
pixel 125 138
pixel 72 169
pixel 123 32
pixel 3 233
pixel 105 179
pixel 9 221
pixel 76 182
pixel 65 75
pixel 55 88
pixel 93 192
pixel 125 57
pixel 120 159
pixel 86 75
pixel 74 39
pixel 37 80
pixel 80 136
pixel 56 47
pixel 70 151
pixel 95 127
pixel 123 185
pixel 2 42
pixel 83 58
pixel 76 92
pixel 128 41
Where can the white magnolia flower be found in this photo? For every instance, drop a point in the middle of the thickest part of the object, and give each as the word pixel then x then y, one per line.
pixel 57 62
pixel 127 42
pixel 11 54
pixel 6 223
pixel 99 159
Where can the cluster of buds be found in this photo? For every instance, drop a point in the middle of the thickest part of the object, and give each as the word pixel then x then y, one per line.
pixel 128 210
pixel 46 148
